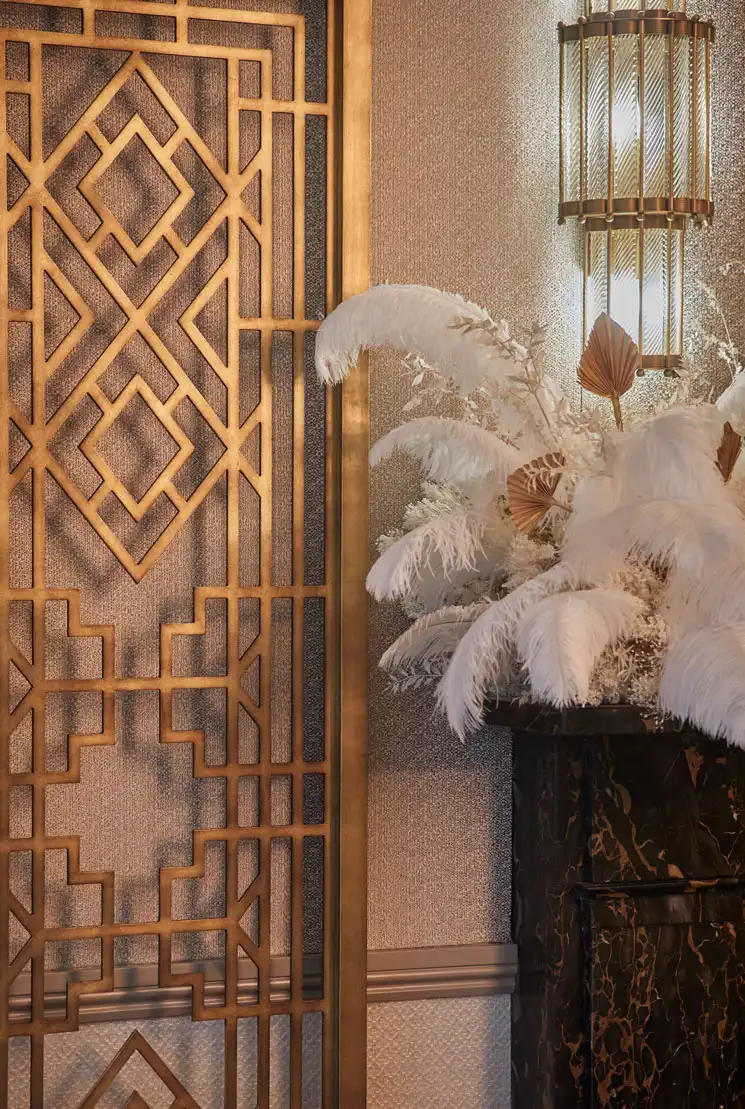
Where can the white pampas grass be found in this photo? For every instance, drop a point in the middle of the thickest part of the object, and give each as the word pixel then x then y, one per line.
pixel 731 403
pixel 484 652
pixel 561 639
pixel 414 319
pixel 671 455
pixel 452 542
pixel 432 636
pixel 703 681
pixel 694 538
pixel 451 450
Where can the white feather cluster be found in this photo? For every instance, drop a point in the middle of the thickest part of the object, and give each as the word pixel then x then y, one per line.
pixel 411 318
pixel 631 585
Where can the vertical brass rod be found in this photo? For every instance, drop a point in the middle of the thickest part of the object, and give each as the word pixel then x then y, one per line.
pixel 352 812
pixel 680 291
pixel 582 121
pixel 611 102
pixel 671 118
pixel 230 1054
pixel 4 606
pixel 708 121
pixel 609 260
pixel 298 574
pixel 562 123
pixel 641 80
pixel 231 892
pixel 668 336
pixel 39 570
pixel 694 101
pixel 640 275
pixel 587 254
pixel 332 575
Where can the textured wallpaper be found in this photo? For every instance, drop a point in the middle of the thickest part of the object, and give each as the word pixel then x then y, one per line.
pixel 408 1067
pixel 439 1054
pixel 465 156
pixel 193 1052
pixel 465 191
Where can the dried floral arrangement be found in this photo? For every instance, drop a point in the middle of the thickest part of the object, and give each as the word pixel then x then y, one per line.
pixel 556 555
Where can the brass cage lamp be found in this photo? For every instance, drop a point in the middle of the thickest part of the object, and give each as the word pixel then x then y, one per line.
pixel 635 165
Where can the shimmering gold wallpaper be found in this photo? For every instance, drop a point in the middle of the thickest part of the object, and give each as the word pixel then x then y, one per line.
pixel 465 191
pixel 465 155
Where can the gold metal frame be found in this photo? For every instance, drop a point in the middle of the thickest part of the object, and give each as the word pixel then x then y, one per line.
pixel 342 998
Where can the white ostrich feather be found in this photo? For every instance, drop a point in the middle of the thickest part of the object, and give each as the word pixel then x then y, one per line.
pixel 451 450
pixel 435 589
pixel 432 636
pixel 702 681
pixel 694 538
pixel 594 496
pixel 447 544
pixel 731 403
pixel 717 597
pixel 561 639
pixel 484 652
pixel 671 455
pixel 412 318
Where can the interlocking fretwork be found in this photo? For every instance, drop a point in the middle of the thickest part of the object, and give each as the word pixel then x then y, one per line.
pixel 167 246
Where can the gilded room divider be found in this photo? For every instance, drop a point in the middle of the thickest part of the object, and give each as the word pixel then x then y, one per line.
pixel 184 194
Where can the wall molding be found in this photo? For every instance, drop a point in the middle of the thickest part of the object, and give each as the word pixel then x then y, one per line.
pixel 399 975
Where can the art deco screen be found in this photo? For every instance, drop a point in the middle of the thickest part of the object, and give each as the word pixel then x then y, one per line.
pixel 168 566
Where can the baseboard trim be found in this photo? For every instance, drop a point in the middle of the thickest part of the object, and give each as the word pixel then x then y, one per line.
pixel 401 975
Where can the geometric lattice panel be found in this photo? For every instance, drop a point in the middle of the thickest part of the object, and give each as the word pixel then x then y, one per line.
pixel 167 248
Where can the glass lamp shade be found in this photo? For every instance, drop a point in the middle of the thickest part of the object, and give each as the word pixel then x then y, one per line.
pixel 635 274
pixel 634 104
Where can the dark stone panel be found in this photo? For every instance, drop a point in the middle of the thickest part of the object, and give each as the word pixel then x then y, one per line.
pixel 629 913
pixel 666 806
pixel 549 1051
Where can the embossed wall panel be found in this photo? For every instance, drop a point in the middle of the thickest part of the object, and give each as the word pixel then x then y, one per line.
pixel 170 533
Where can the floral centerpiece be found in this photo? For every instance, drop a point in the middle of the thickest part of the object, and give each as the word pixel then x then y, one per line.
pixel 557 555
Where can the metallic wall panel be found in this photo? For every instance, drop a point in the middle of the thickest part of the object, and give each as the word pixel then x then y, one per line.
pixel 169 793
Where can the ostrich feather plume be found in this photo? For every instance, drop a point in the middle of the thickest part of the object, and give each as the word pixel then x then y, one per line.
pixel 433 635
pixel 696 538
pixel 561 639
pixel 594 496
pixel 451 450
pixel 484 651
pixel 671 455
pixel 702 681
pixel 453 540
pixel 412 318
